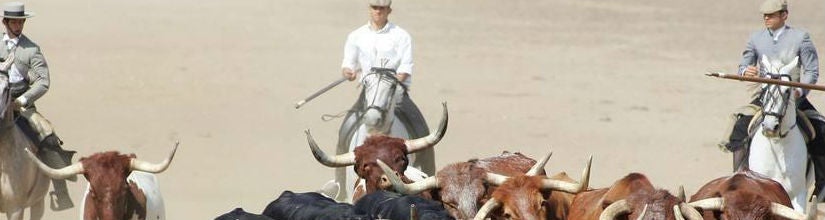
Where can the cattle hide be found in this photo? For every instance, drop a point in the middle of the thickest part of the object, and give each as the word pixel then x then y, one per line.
pixel 389 205
pixel 240 214
pixel 309 205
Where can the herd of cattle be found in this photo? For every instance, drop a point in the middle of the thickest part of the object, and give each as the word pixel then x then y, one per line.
pixel 514 186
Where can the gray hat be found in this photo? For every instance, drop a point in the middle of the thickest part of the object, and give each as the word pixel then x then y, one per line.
pixel 16 10
pixel 771 6
pixel 385 3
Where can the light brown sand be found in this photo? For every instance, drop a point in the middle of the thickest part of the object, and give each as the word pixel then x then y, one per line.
pixel 620 80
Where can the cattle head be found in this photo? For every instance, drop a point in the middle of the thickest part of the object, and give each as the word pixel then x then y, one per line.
pixel 647 204
pixel 522 196
pixel 389 149
pixel 106 172
pixel 463 187
pixel 746 195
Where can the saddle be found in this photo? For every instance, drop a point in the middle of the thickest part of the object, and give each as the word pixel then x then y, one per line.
pixel 802 121
pixel 733 140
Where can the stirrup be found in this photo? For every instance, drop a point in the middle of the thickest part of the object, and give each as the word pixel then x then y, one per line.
pixel 60 202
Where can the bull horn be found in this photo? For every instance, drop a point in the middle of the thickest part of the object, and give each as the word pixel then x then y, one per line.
pixel 539 166
pixel 416 145
pixel 680 193
pixel 568 186
pixel 715 203
pixel 615 209
pixel 58 174
pixel 496 179
pixel 488 207
pixel 686 211
pixel 341 160
pixel 407 189
pixel 786 212
pixel 144 166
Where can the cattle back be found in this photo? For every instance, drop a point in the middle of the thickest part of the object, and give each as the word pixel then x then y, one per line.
pixel 309 205
pixel 240 214
pixel 388 205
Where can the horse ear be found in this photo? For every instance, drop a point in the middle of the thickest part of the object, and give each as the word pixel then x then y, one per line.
pixel 790 66
pixel 767 63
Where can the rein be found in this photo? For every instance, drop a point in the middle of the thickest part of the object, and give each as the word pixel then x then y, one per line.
pixel 783 99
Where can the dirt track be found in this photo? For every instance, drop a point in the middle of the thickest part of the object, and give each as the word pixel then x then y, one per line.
pixel 619 80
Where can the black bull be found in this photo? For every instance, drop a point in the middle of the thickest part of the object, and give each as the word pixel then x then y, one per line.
pixel 378 205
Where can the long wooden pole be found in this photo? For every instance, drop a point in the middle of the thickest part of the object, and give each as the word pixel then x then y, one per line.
pixel 319 92
pixel 766 80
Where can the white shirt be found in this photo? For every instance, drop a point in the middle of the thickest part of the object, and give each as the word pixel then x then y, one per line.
pixel 776 33
pixel 15 74
pixel 366 48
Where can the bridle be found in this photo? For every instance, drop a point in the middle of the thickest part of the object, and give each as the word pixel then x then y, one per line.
pixel 388 76
pixel 772 96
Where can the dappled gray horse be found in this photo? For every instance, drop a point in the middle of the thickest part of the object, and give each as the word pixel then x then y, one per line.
pixel 23 185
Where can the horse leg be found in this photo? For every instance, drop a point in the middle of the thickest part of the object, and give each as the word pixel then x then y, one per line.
pixel 15 215
pixel 740 159
pixel 36 210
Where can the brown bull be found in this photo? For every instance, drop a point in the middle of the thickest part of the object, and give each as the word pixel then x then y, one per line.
pixel 632 197
pixel 530 196
pixel 745 195
pixel 463 187
pixel 115 192
pixel 390 149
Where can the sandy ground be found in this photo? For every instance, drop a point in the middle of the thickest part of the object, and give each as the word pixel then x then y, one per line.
pixel 619 80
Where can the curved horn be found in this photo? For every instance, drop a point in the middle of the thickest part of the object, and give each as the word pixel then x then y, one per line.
pixel 615 209
pixel 496 179
pixel 144 166
pixel 680 193
pixel 539 166
pixel 416 145
pixel 407 189
pixel 687 211
pixel 642 215
pixel 715 203
pixel 59 174
pixel 786 212
pixel 488 207
pixel 568 186
pixel 342 160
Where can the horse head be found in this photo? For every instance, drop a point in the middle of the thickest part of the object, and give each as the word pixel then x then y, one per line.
pixel 778 102
pixel 382 91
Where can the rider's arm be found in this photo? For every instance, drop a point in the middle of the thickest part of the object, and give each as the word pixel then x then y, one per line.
pixel 405 68
pixel 40 78
pixel 810 62
pixel 349 65
pixel 748 57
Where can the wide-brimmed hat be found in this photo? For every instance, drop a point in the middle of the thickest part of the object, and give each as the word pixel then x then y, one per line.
pixel 771 6
pixel 16 10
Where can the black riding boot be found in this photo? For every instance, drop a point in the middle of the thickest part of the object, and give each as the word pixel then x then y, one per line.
pixel 53 155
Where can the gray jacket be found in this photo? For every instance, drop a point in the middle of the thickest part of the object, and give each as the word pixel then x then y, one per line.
pixel 28 56
pixel 792 42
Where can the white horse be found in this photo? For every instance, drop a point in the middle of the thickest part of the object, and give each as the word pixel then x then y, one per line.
pixel 778 149
pixel 22 185
pixel 382 92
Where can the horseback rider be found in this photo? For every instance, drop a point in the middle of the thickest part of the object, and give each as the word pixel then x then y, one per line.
pixel 28 74
pixel 394 44
pixel 780 40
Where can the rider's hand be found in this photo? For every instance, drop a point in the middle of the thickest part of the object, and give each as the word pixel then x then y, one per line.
pixel 348 73
pixel 751 71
